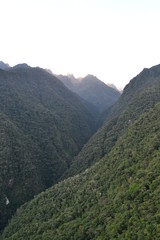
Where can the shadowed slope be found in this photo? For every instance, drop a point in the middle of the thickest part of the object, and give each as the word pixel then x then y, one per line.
pixel 43 125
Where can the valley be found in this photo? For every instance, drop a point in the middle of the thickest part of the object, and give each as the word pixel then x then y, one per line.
pixel 77 167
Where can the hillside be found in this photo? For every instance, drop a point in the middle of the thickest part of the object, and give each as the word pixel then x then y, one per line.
pixel 146 79
pixel 92 90
pixel 117 198
pixel 142 93
pixel 43 126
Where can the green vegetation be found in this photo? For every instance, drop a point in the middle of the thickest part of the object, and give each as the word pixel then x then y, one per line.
pixel 142 93
pixel 113 185
pixel 42 126
pixel 117 198
pixel 148 78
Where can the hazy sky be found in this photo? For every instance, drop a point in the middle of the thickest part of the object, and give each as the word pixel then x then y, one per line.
pixel 112 39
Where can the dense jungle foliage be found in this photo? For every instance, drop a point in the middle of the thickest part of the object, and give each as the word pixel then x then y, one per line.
pixel 139 96
pixel 117 198
pixel 111 185
pixel 42 126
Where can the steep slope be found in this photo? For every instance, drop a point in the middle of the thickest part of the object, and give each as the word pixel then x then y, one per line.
pixel 117 198
pixel 139 95
pixel 42 126
pixel 146 79
pixel 92 90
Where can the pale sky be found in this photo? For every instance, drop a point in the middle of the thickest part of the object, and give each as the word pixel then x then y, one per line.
pixel 111 39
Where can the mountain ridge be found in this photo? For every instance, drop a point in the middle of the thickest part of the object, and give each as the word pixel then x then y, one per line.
pixel 3 65
pixel 92 90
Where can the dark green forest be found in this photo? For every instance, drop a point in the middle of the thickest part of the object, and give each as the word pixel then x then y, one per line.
pixel 105 183
pixel 117 198
pixel 142 93
pixel 42 126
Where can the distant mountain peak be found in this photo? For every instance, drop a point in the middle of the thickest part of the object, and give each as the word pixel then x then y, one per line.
pixel 49 71
pixel 90 76
pixel 21 65
pixel 4 65
pixel 92 90
pixel 112 86
pixel 71 76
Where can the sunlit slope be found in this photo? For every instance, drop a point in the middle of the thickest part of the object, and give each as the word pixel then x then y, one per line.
pixel 117 198
pixel 138 96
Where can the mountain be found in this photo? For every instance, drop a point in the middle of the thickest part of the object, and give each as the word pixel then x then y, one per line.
pixel 43 125
pixel 92 90
pixel 117 198
pixel 141 94
pixel 21 65
pixel 114 191
pixel 4 65
pixel 146 79
pixel 112 86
